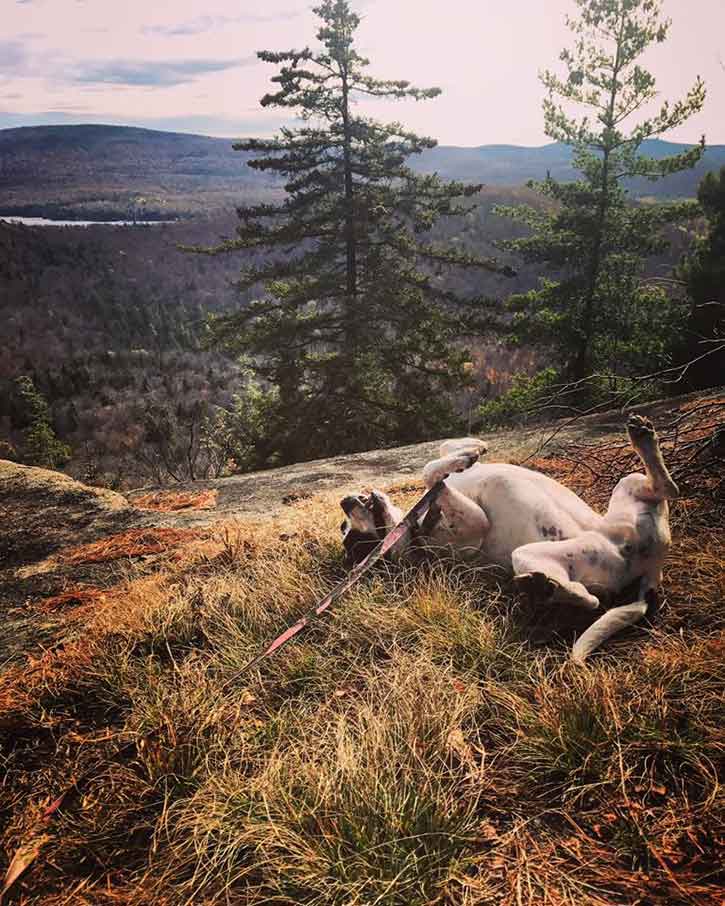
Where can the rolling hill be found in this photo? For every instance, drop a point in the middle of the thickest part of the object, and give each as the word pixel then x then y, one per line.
pixel 105 172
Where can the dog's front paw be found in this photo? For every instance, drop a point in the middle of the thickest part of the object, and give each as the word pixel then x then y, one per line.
pixel 464 460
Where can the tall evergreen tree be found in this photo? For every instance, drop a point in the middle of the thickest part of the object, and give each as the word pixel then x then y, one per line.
pixel 703 272
pixel 596 311
pixel 353 331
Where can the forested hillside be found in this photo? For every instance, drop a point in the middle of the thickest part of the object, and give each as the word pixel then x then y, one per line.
pixel 111 172
pixel 111 322
pixel 108 322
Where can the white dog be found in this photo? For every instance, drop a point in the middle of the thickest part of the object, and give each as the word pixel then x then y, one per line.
pixel 556 546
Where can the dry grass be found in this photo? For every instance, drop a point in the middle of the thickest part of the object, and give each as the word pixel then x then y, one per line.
pixel 414 748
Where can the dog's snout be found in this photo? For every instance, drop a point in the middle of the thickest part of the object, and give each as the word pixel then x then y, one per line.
pixel 348 504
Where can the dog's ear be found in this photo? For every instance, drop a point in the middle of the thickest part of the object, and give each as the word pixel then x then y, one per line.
pixel 379 515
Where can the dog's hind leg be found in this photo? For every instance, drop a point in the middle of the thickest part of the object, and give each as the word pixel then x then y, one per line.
pixel 659 484
pixel 540 574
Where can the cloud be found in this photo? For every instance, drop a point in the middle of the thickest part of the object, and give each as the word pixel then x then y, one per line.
pixel 69 108
pixel 193 27
pixel 13 57
pixel 16 61
pixel 209 23
pixel 149 73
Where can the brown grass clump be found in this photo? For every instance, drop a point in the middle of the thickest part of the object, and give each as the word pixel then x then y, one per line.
pixel 136 542
pixel 415 747
pixel 21 686
pixel 173 501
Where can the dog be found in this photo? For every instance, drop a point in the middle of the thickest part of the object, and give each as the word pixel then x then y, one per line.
pixel 557 548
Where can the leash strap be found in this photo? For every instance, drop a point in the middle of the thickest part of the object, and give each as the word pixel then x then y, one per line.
pixel 405 526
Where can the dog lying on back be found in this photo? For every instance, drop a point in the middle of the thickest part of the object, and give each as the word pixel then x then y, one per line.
pixel 555 545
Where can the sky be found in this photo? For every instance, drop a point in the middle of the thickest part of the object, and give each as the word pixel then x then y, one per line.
pixel 191 66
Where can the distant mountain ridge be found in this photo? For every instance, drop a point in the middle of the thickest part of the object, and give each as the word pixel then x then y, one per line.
pixel 515 164
pixel 96 170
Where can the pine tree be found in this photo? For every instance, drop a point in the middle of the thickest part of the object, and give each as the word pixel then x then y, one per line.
pixel 354 333
pixel 596 312
pixel 41 446
pixel 703 273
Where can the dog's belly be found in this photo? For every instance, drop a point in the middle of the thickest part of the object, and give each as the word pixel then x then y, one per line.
pixel 516 522
pixel 484 481
pixel 522 507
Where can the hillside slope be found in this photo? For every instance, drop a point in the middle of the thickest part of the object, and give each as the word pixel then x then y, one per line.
pixel 112 172
pixel 103 171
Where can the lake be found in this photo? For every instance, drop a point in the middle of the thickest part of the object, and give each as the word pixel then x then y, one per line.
pixel 43 221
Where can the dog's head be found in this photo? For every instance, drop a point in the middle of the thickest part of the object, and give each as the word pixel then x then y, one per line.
pixel 368 519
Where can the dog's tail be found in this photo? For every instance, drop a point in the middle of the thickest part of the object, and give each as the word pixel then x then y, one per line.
pixel 614 621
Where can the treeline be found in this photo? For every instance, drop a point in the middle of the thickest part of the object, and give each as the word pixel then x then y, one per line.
pixel 124 419
pixel 72 291
pixel 108 325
